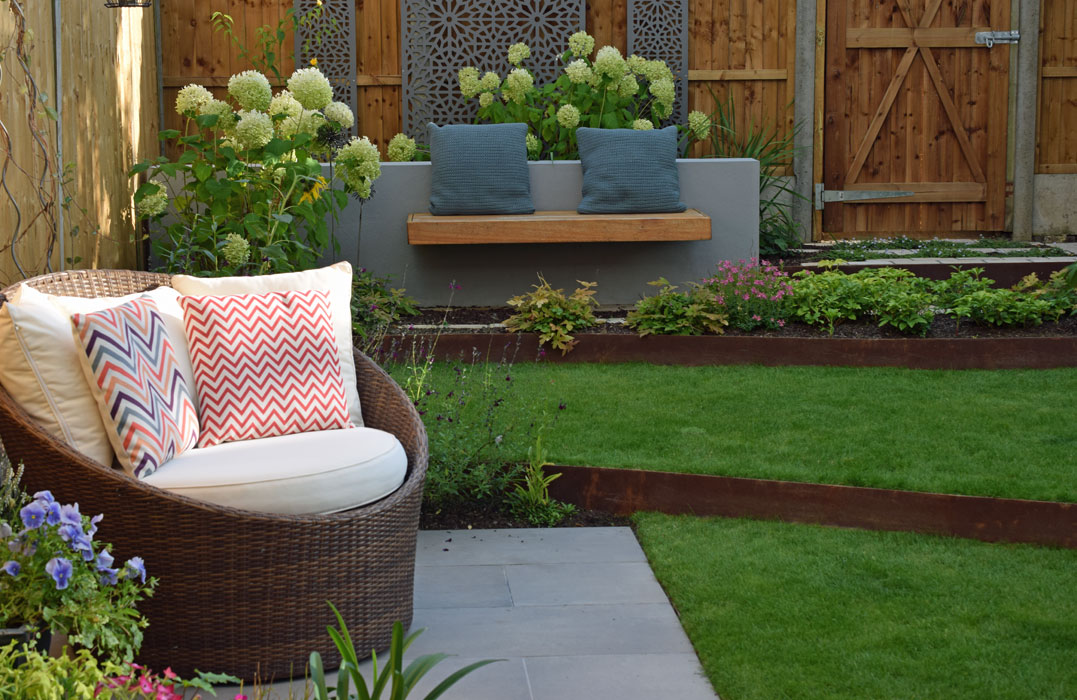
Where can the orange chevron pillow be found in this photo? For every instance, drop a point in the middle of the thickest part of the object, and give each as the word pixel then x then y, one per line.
pixel 264 365
pixel 130 364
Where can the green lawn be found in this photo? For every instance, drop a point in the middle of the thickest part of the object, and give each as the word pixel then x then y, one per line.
pixel 779 610
pixel 990 433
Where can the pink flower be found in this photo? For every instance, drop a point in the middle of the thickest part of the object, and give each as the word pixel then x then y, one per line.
pixel 756 317
pixel 746 297
pixel 781 323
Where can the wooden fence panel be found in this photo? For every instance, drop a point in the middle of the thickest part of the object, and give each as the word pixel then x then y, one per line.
pixel 1056 144
pixel 110 122
pixel 737 49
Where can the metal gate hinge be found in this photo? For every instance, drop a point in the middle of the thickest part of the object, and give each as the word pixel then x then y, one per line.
pixel 823 195
pixel 989 39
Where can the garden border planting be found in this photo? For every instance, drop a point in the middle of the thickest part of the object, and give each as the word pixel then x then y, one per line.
pixel 624 491
pixel 704 350
pixel 1005 272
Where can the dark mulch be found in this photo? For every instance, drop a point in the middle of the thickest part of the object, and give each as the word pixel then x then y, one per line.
pixel 941 327
pixel 481 516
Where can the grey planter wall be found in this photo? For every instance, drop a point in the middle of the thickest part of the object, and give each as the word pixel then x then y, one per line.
pixel 725 189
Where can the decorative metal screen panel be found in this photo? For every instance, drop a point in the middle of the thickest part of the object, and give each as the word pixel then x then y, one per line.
pixel 658 30
pixel 443 36
pixel 336 52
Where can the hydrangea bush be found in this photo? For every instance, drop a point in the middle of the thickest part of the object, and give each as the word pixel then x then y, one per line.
pixel 58 578
pixel 246 194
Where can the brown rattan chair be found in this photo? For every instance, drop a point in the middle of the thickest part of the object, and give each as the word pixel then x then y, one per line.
pixel 241 592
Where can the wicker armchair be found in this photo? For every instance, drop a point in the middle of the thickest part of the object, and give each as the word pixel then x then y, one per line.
pixel 241 592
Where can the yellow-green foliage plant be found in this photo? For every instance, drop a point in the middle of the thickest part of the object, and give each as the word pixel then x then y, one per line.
pixel 548 312
pixel 670 312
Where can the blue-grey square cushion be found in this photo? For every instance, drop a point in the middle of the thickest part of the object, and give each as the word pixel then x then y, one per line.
pixel 628 172
pixel 479 169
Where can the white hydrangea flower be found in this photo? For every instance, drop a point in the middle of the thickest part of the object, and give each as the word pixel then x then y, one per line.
pixel 568 116
pixel 581 44
pixel 518 52
pixel 191 99
pixel 518 84
pixel 469 81
pixel 236 249
pixel 306 122
pixel 534 146
pixel 285 103
pixel 253 130
pixel 401 148
pixel 664 91
pixel 490 80
pixel 699 124
pixel 310 88
pixel 486 99
pixel 251 90
pixel 154 203
pixel 226 118
pixel 359 165
pixel 610 63
pixel 579 72
pixel 628 86
pixel 656 70
pixel 637 64
pixel 340 113
pixel 643 125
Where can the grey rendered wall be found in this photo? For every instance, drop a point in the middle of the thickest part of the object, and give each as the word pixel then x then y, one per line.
pixel 1054 212
pixel 487 275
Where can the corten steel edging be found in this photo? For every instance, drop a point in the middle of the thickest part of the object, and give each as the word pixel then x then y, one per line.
pixel 913 353
pixel 625 491
pixel 1006 273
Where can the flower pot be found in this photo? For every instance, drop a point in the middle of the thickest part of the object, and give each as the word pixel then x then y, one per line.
pixel 21 635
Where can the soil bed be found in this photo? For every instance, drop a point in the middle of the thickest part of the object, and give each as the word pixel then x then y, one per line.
pixel 491 516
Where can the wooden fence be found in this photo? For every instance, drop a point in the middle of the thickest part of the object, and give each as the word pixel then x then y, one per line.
pixel 739 49
pixel 109 121
pixel 1056 147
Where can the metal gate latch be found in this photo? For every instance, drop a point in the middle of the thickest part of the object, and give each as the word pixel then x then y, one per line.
pixel 823 195
pixel 989 39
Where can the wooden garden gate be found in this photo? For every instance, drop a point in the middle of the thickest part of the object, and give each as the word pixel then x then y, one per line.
pixel 914 104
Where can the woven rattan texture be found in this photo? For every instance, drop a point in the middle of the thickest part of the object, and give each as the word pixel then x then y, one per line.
pixel 442 36
pixel 241 592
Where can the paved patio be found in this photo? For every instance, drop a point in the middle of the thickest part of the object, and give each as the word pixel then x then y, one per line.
pixel 575 613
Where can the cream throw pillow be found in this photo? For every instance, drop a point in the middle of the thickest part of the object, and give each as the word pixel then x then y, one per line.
pixel 335 279
pixel 41 368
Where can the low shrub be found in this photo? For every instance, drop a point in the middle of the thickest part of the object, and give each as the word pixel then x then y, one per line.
pixel 376 305
pixel 548 312
pixel 751 293
pixel 888 296
pixel 670 312
pixel 1001 307
pixel 959 284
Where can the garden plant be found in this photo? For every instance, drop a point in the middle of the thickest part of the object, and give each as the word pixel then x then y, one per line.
pixel 548 312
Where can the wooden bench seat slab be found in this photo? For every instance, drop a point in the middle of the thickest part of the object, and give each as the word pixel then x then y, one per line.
pixel 557 227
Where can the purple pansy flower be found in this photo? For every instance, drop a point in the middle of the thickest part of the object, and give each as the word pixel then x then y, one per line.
pixel 104 560
pixel 22 546
pixel 135 567
pixel 45 496
pixel 70 514
pixel 52 516
pixel 93 524
pixel 11 568
pixel 69 532
pixel 60 570
pixel 5 530
pixel 33 515
pixel 109 577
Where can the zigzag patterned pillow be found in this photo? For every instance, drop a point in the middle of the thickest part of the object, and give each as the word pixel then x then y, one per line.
pixel 264 365
pixel 131 366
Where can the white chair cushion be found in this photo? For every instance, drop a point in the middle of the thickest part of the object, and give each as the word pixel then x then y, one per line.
pixel 303 473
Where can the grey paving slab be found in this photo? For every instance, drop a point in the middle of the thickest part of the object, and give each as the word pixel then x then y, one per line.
pixel 552 630
pixel 629 677
pixel 503 680
pixel 583 584
pixel 481 586
pixel 527 546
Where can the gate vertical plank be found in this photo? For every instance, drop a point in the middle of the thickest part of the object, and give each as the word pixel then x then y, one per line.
pixel 998 72
pixel 836 123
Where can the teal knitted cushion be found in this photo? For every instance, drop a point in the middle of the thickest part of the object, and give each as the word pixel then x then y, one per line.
pixel 629 172
pixel 479 169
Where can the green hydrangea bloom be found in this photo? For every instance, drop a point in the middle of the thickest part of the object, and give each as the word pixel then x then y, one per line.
pixel 154 203
pixel 518 84
pixel 284 103
pixel 236 250
pixel 664 91
pixel 518 53
pixel 568 116
pixel 226 118
pixel 310 88
pixel 610 63
pixel 486 99
pixel 490 81
pixel 656 70
pixel 628 86
pixel 637 64
pixel 191 99
pixel 643 125
pixel 251 90
pixel 401 148
pixel 534 146
pixel 359 166
pixel 253 130
pixel 581 44
pixel 469 81
pixel 699 124
pixel 340 113
pixel 579 72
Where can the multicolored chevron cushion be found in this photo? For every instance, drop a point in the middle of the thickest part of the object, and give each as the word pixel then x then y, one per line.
pixel 131 367
pixel 264 365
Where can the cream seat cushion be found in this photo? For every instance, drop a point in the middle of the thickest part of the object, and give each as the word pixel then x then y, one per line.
pixel 303 473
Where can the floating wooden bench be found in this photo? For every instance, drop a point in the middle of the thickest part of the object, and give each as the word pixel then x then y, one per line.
pixel 558 227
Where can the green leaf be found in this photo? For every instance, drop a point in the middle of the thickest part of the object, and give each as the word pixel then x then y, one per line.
pixel 139 168
pixel 278 147
pixel 167 134
pixel 202 171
